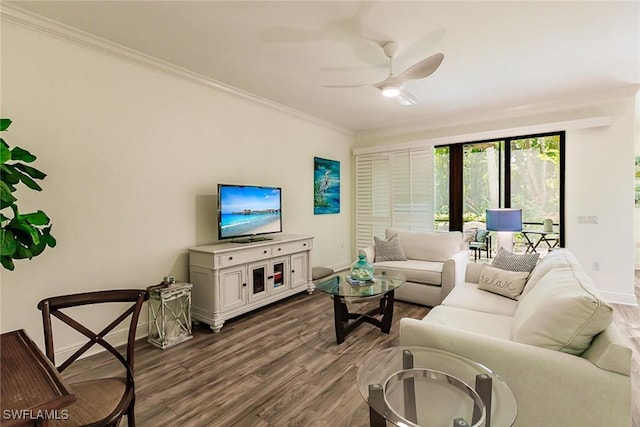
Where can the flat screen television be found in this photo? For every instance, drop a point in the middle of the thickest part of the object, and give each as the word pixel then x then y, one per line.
pixel 248 213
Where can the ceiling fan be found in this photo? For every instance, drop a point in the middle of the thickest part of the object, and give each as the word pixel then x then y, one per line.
pixel 393 86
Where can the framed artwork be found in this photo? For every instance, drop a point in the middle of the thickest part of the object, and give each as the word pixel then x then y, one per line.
pixel 326 186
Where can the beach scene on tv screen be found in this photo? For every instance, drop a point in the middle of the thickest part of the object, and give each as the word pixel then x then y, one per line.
pixel 249 210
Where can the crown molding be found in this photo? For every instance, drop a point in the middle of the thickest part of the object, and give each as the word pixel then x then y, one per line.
pixel 18 16
pixel 585 123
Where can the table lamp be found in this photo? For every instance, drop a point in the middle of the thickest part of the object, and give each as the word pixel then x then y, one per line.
pixel 504 222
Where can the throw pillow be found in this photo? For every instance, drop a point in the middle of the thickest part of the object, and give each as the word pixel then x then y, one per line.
pixel 389 250
pixel 470 235
pixel 481 236
pixel 502 282
pixel 506 260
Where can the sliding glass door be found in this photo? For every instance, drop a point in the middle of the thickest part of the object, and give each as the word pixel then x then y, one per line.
pixel 523 172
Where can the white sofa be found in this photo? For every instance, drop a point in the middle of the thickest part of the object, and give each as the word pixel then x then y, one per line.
pixel 435 263
pixel 555 346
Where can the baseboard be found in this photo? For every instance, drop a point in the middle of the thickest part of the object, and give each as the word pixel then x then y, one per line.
pixel 617 298
pixel 115 338
pixel 340 267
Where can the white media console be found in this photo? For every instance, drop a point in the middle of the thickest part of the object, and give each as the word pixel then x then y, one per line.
pixel 230 279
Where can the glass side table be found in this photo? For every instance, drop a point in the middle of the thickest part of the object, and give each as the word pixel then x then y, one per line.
pixel 169 314
pixel 425 387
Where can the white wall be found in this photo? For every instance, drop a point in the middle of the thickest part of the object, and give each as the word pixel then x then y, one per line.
pixel 600 179
pixel 599 173
pixel 133 158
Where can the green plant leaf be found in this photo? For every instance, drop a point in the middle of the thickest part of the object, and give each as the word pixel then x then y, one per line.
pixel 23 235
pixel 23 253
pixel 5 153
pixel 5 192
pixel 36 218
pixel 31 171
pixel 20 154
pixel 26 179
pixel 19 224
pixel 5 204
pixel 48 238
pixel 7 262
pixel 8 243
pixel 10 174
pixel 4 124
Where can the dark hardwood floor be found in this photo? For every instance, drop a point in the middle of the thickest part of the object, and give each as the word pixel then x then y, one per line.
pixel 279 366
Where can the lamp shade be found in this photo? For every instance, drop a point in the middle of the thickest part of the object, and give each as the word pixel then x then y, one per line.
pixel 504 219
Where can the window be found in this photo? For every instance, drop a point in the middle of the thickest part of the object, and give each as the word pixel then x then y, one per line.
pixel 522 172
pixel 393 189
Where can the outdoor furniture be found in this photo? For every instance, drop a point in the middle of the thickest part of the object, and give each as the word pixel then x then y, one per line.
pixel 478 238
pixel 535 237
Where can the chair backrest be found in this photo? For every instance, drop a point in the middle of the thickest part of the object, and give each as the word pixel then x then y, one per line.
pixel 53 306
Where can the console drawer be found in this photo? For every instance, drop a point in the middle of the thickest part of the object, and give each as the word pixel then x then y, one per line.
pixel 290 248
pixel 241 257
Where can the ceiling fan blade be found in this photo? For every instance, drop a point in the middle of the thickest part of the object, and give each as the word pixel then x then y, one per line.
pixel 406 98
pixel 347 86
pixel 422 69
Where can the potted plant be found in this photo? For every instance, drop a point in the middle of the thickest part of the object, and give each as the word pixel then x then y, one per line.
pixel 24 235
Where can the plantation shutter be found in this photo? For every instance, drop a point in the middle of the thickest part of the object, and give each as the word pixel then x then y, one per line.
pixel 373 193
pixel 393 190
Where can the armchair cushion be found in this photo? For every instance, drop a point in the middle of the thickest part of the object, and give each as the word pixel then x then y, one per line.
pixel 428 246
pixel 413 270
pixel 481 236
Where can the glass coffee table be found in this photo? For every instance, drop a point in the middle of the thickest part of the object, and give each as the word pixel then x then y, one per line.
pixel 419 386
pixel 381 288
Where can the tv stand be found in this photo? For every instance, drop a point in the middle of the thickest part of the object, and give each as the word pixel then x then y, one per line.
pixel 251 239
pixel 233 278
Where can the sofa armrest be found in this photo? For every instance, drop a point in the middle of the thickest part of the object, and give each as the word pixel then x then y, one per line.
pixel 551 387
pixel 453 271
pixel 369 252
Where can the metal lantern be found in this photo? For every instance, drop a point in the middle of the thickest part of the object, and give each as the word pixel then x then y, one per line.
pixel 169 314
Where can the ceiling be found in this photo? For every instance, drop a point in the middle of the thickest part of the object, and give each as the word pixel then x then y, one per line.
pixel 500 57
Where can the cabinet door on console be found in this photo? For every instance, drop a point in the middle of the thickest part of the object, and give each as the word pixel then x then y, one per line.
pixel 299 269
pixel 258 281
pixel 279 274
pixel 233 285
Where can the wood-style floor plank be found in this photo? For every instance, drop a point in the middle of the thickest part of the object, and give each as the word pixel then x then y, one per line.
pixel 279 366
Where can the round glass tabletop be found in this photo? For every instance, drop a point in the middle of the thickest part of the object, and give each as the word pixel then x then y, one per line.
pixel 431 392
pixel 338 285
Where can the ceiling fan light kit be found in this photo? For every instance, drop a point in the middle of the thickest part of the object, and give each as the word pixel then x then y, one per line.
pixel 391 90
pixel 392 86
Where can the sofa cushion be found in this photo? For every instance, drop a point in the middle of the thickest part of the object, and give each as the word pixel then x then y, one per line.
pixel 436 246
pixel 506 260
pixel 467 295
pixel 562 312
pixel 413 270
pixel 489 324
pixel 389 250
pixel 502 282
pixel 554 259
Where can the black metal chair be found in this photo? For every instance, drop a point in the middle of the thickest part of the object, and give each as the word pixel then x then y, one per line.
pixel 103 401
